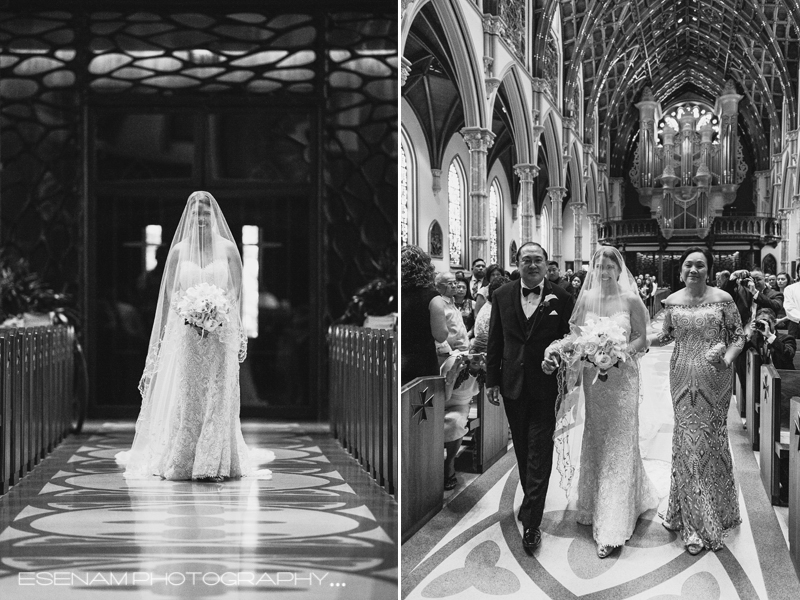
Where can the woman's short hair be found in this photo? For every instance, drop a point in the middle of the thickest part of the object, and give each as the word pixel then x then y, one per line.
pixel 491 269
pixel 416 267
pixel 703 250
pixel 500 281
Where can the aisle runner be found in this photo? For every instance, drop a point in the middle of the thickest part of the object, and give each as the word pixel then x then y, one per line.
pixel 318 529
pixel 477 552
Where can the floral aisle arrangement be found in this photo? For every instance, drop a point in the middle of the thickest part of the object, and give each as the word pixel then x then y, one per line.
pixel 205 307
pixel 602 343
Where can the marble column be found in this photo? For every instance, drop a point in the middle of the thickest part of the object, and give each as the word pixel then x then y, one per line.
pixel 478 141
pixel 577 214
pixel 527 211
pixel 783 215
pixel 594 222
pixel 556 195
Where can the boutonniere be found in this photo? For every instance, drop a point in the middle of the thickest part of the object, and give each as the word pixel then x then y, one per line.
pixel 546 301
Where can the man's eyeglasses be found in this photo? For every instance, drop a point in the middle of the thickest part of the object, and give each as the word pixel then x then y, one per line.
pixel 527 262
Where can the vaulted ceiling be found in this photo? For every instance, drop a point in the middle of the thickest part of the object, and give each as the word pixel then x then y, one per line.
pixel 682 49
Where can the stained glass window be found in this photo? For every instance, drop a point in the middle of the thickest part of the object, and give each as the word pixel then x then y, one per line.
pixel 495 202
pixel 250 251
pixel 152 239
pixel 403 196
pixel 455 197
pixel 545 232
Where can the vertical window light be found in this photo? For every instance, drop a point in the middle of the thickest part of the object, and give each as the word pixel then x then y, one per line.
pixel 152 240
pixel 455 198
pixel 250 259
pixel 403 196
pixel 495 201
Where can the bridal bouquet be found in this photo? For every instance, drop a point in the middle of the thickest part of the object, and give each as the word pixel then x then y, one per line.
pixel 204 306
pixel 602 343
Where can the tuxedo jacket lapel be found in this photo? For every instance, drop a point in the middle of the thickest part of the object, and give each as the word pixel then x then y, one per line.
pixel 518 306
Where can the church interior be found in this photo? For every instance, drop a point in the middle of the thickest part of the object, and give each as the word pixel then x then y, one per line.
pixel 647 125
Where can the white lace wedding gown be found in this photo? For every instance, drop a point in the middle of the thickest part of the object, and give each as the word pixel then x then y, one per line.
pixel 613 488
pixel 198 435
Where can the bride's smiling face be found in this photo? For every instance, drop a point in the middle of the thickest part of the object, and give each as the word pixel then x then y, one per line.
pixel 608 269
pixel 203 213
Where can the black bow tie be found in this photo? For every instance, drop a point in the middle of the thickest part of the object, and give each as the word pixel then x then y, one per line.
pixel 535 291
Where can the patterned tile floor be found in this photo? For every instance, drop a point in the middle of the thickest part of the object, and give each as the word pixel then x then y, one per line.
pixel 320 528
pixel 472 548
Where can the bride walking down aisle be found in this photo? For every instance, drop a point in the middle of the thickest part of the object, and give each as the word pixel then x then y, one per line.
pixel 604 376
pixel 189 426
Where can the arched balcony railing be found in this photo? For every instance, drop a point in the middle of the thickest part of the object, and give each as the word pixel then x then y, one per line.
pixel 761 230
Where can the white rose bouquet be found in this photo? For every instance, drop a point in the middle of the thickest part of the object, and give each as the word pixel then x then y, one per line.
pixel 204 306
pixel 602 343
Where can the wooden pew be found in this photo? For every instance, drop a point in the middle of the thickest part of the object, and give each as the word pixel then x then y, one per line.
pixel 490 432
pixel 770 430
pixel 794 482
pixel 6 434
pixel 36 367
pixel 422 445
pixel 777 388
pixel 752 396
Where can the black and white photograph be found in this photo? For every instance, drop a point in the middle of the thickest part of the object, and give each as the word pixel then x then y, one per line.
pixel 198 284
pixel 599 249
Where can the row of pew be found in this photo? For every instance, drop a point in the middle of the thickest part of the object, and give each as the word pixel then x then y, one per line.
pixel 363 398
pixel 36 399
pixel 422 425
pixel 769 404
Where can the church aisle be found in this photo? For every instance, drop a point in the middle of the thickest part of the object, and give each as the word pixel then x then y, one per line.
pixel 320 528
pixel 473 549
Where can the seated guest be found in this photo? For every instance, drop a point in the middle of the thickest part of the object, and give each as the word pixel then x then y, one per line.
pixel 774 347
pixel 460 386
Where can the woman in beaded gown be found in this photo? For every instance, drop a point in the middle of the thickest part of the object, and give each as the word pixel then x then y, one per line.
pixel 613 488
pixel 707 330
pixel 188 426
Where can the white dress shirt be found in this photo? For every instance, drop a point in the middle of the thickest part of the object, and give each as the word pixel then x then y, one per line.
pixel 531 301
pixel 791 301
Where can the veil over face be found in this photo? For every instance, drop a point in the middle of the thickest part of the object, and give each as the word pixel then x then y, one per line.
pixel 203 251
pixel 609 290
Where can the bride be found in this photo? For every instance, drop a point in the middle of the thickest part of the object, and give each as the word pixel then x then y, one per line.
pixel 613 488
pixel 189 427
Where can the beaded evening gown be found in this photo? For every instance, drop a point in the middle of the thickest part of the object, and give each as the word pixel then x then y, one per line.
pixel 613 488
pixel 703 503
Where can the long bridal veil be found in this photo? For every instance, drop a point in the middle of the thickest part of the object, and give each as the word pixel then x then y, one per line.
pixel 602 296
pixel 203 265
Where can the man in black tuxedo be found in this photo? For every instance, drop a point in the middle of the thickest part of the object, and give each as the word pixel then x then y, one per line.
pixel 527 316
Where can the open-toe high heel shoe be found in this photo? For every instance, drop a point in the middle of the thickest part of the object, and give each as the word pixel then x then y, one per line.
pixel 694 548
pixel 604 551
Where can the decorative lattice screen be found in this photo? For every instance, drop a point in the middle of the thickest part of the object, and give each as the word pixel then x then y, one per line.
pixel 52 64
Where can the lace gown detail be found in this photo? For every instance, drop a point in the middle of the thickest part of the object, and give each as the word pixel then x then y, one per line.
pixel 613 488
pixel 702 498
pixel 199 434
